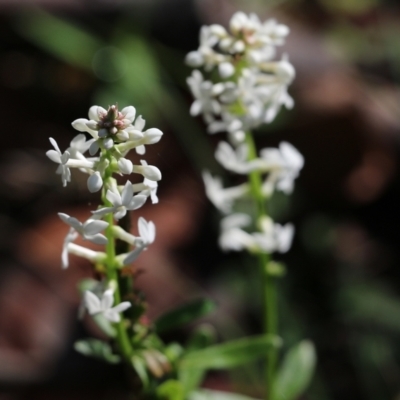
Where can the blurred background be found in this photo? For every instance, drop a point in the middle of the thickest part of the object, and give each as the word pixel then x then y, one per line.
pixel 342 288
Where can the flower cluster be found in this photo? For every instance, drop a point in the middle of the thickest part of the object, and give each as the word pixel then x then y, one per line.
pixel 113 134
pixel 248 90
pixel 250 87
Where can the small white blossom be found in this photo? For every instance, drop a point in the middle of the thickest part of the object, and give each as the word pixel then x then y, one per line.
pixel 147 235
pixel 274 237
pixel 121 202
pixel 103 306
pixel 283 164
pixel 234 160
pixel 89 230
pixel 62 159
pixel 205 94
pixel 222 198
pixel 232 237
pixel 95 182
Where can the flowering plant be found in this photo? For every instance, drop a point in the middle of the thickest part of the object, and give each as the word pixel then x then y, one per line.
pixel 245 89
pixel 248 90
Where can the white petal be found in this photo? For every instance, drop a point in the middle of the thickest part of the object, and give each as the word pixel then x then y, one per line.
pixel 120 213
pixel 129 113
pixel 54 156
pixel 127 193
pixel 94 148
pixel 136 202
pixel 94 226
pixel 108 143
pixel 153 135
pixel 133 255
pixel 114 198
pixel 139 123
pixel 140 150
pixel 111 315
pixel 92 302
pixel 103 211
pixel 122 306
pixel 97 239
pixel 107 299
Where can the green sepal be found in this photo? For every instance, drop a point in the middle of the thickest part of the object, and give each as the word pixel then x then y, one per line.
pixel 230 354
pixel 296 371
pixel 184 315
pixel 97 349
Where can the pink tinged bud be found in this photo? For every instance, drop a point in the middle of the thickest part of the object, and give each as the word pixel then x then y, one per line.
pixel 125 166
pixel 94 182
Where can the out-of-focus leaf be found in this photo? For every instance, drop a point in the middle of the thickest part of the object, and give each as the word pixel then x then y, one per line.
pixel 216 395
pixel 296 371
pixel 231 354
pixel 202 337
pixel 98 349
pixel 139 365
pixel 62 39
pixel 170 390
pixel 184 315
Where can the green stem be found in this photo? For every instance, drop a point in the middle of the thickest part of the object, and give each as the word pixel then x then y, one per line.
pixel 269 284
pixel 112 275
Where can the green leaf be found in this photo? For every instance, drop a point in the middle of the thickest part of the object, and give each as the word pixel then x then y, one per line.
pixel 216 395
pixel 230 354
pixel 139 365
pixel 170 390
pixel 296 371
pixel 184 315
pixel 64 40
pixel 201 338
pixel 98 349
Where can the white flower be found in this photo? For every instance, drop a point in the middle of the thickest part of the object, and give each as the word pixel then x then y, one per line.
pixel 121 203
pixel 234 160
pixel 274 237
pixel 147 235
pixel 103 306
pixel 79 146
pixel 62 159
pixel 137 138
pixel 89 230
pixel 222 198
pixel 205 94
pixel 232 237
pixel 147 188
pixel 283 164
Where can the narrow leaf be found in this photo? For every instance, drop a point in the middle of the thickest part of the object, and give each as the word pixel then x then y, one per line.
pixel 296 371
pixel 230 354
pixel 184 315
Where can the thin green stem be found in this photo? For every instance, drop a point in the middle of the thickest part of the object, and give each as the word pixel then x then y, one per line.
pixel 269 284
pixel 112 276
